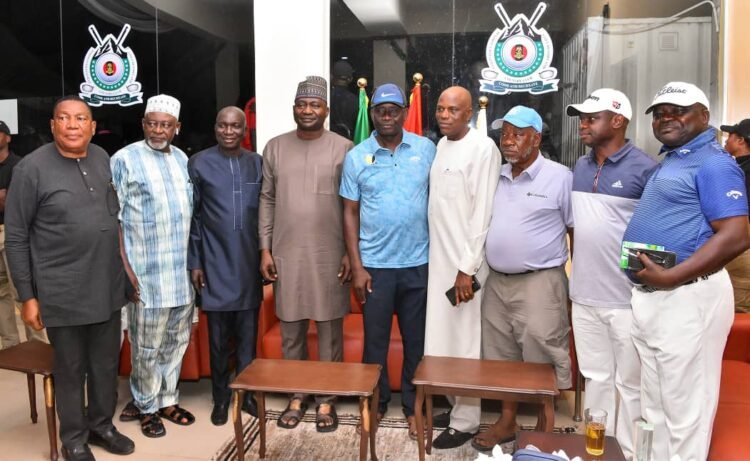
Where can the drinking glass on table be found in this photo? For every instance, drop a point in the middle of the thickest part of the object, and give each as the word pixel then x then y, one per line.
pixel 596 425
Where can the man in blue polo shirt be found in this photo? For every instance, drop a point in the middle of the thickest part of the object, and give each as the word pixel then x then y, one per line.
pixel 607 184
pixel 385 187
pixel 525 303
pixel 693 205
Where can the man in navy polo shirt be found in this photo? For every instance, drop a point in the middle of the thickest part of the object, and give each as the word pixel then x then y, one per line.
pixel 525 302
pixel 385 187
pixel 607 184
pixel 693 205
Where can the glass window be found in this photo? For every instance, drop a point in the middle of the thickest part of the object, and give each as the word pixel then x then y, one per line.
pixel 635 46
pixel 198 51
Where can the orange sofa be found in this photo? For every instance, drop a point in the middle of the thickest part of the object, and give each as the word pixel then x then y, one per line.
pixel 196 362
pixel 730 440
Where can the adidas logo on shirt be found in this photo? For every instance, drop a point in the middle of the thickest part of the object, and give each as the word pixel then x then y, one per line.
pixel 617 184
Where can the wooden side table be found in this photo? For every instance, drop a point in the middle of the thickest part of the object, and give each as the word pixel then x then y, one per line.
pixel 35 358
pixel 308 377
pixel 573 444
pixel 486 379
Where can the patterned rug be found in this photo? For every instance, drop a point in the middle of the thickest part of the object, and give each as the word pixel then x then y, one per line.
pixel 305 443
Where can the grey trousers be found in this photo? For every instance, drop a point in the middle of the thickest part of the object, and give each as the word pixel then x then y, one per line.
pixel 330 345
pixel 525 318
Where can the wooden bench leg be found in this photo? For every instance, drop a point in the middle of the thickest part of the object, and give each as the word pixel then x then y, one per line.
pixel 547 415
pixel 237 420
pixel 420 421
pixel 32 396
pixel 579 387
pixel 364 415
pixel 428 399
pixel 260 397
pixel 49 404
pixel 374 402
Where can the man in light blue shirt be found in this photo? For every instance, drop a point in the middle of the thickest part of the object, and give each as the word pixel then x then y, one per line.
pixel 385 187
pixel 156 200
pixel 524 308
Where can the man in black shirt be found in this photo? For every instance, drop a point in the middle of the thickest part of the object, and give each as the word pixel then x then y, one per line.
pixel 63 250
pixel 9 335
pixel 738 144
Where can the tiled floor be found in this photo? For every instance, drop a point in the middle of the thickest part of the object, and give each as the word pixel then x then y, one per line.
pixel 22 440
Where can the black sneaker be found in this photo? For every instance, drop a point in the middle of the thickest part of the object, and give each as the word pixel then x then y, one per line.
pixel 442 420
pixel 451 438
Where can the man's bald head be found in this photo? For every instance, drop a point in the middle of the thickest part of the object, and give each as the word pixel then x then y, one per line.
pixel 230 129
pixel 236 111
pixel 454 112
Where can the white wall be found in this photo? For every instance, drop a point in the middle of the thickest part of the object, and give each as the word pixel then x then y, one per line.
pixel 292 40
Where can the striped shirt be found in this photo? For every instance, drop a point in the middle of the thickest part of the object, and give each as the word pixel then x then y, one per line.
pixel 156 199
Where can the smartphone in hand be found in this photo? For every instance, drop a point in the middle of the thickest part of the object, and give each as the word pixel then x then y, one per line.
pixel 451 293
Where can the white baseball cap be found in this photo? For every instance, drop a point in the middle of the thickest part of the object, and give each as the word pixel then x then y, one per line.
pixel 680 94
pixel 601 100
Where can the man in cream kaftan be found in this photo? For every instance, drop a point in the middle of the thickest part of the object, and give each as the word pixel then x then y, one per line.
pixel 462 184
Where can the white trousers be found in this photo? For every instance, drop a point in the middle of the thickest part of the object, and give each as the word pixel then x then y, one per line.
pixel 609 361
pixel 680 336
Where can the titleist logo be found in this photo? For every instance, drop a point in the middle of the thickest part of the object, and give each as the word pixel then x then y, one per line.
pixel 671 89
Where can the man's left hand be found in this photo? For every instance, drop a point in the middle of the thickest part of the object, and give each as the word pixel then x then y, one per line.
pixel 653 274
pixel 464 291
pixel 345 271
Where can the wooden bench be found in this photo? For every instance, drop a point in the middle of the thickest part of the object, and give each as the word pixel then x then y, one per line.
pixel 486 379
pixel 308 377
pixel 35 358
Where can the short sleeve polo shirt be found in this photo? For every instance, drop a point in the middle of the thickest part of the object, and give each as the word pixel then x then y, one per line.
pixel 530 217
pixel 392 191
pixel 695 184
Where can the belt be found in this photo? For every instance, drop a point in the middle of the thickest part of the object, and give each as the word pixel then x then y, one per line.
pixel 526 272
pixel 650 289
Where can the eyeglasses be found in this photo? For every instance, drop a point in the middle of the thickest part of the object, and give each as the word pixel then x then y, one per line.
pixel 391 112
pixel 165 125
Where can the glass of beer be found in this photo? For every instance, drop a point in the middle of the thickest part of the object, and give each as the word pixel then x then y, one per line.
pixel 596 424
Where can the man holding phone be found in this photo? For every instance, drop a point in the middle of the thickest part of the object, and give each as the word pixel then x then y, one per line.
pixel 463 178
pixel 694 205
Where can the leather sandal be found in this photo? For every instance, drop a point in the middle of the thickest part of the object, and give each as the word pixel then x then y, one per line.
pixel 130 412
pixel 290 417
pixel 326 422
pixel 151 425
pixel 178 415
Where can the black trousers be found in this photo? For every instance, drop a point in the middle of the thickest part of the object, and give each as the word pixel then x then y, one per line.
pixel 402 292
pixel 86 357
pixel 242 326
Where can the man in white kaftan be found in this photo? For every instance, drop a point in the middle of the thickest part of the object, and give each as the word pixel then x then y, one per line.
pixel 463 179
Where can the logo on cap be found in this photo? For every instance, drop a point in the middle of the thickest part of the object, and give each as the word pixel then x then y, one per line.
pixel 110 70
pixel 519 56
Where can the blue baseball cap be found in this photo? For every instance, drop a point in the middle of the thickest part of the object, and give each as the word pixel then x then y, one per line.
pixel 388 92
pixel 520 117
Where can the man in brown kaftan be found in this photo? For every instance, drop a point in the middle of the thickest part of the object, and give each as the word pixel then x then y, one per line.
pixel 302 242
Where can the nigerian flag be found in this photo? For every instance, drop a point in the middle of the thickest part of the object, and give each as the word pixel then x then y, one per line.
pixel 362 129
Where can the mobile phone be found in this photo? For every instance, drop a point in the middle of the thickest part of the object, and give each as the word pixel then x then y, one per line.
pixel 665 259
pixel 451 293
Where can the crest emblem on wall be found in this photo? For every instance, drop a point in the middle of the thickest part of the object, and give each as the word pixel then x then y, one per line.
pixel 110 70
pixel 519 56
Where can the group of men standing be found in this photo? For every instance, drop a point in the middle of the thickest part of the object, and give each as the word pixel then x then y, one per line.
pixel 403 221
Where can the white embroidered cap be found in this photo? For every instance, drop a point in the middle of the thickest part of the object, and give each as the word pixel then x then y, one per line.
pixel 165 104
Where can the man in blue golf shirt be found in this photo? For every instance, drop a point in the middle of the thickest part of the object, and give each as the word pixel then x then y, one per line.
pixel 385 187
pixel 693 205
